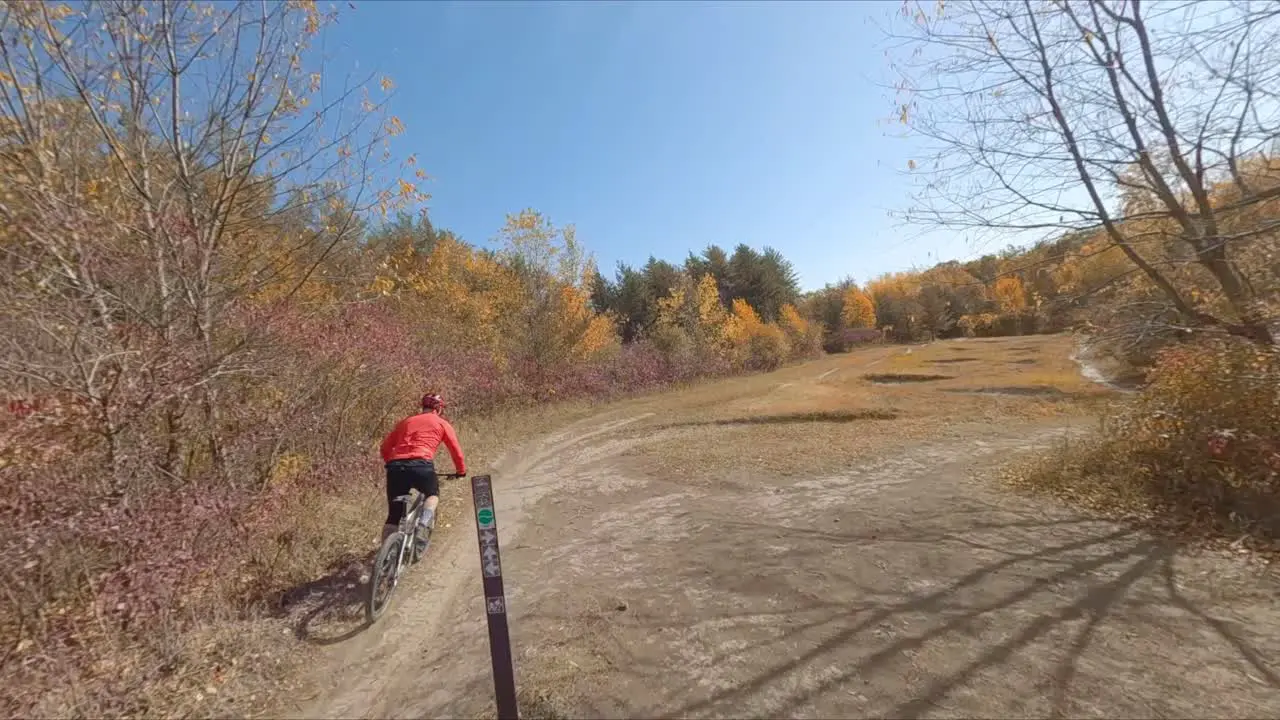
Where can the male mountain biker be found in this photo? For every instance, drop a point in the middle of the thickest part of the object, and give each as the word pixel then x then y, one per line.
pixel 408 452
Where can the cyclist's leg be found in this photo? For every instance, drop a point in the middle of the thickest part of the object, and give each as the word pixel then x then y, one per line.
pixel 427 482
pixel 399 480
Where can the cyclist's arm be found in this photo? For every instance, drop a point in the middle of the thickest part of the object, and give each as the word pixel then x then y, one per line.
pixel 389 442
pixel 455 450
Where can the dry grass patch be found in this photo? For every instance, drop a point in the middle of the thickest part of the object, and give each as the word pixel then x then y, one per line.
pixel 824 417
pixel 1196 453
pixel 758 454
pixel 988 386
pixel 1014 390
pixel 891 378
pixel 816 416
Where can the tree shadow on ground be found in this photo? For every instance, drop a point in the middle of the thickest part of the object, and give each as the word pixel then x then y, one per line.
pixel 1044 587
pixel 330 609
pixel 1104 567
pixel 826 416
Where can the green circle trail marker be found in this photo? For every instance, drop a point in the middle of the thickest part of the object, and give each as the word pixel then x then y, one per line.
pixel 484 517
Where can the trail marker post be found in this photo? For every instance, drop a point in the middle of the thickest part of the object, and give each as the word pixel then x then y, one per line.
pixel 495 600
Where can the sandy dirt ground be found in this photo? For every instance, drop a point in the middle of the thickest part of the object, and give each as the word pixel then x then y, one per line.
pixel 823 541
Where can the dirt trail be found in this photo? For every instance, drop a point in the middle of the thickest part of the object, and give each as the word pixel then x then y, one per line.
pixel 391 668
pixel 658 565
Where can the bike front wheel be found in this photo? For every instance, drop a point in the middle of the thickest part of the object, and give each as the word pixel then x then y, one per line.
pixel 385 576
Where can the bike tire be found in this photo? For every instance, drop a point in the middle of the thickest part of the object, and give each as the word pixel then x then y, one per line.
pixel 385 568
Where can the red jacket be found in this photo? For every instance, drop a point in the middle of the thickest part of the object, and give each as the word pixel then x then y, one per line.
pixel 417 437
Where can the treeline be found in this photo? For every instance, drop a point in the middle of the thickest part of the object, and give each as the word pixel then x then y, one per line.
pixel 1081 280
pixel 1085 280
pixel 999 294
pixel 1014 292
pixel 717 310
pixel 1049 287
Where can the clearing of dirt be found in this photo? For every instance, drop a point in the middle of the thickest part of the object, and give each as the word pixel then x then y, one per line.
pixel 803 544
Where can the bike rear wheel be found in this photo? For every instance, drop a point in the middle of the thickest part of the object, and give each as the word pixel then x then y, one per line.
pixel 385 576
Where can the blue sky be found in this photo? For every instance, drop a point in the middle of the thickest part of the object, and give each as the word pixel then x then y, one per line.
pixel 655 128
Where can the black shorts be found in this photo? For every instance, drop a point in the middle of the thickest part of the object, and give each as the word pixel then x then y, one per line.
pixel 403 475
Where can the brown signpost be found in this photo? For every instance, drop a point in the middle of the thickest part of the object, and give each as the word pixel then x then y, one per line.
pixel 495 600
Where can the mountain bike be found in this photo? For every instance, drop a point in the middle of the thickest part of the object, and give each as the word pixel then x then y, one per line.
pixel 403 547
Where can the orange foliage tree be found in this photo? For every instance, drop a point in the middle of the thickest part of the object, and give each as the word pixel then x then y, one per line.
pixel 803 336
pixel 757 345
pixel 859 311
pixel 1011 295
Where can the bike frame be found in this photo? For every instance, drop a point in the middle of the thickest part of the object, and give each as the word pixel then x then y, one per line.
pixel 409 523
pixel 408 527
pixel 408 530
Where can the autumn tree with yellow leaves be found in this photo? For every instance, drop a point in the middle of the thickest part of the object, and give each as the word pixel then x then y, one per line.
pixel 804 336
pixel 558 325
pixel 694 326
pixel 859 311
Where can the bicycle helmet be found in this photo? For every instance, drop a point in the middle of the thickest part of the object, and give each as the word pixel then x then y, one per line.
pixel 432 401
